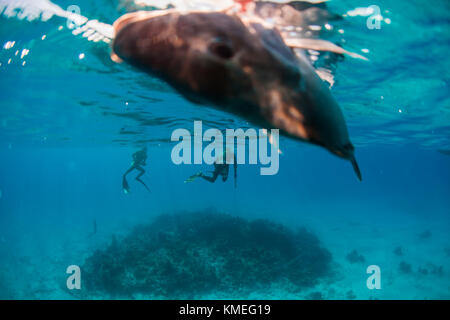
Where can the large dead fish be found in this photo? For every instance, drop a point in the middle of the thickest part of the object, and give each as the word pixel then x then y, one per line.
pixel 237 65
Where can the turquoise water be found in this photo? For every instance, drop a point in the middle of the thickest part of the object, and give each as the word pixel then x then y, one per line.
pixel 71 118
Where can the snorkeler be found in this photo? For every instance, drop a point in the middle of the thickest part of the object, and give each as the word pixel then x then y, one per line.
pixel 220 169
pixel 139 158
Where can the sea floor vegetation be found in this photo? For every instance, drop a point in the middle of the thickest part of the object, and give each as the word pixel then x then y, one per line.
pixel 190 255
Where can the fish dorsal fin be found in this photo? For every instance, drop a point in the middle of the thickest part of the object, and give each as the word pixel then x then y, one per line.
pixel 320 45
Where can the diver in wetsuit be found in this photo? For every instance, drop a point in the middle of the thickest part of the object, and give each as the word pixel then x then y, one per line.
pixel 139 158
pixel 220 169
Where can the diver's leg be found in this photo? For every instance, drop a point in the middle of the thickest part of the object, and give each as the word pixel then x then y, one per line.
pixel 224 177
pixel 193 177
pixel 142 172
pixel 128 171
pixel 225 173
pixel 138 177
pixel 125 185
pixel 213 178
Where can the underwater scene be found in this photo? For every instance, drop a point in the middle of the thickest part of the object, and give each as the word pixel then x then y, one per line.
pixel 225 149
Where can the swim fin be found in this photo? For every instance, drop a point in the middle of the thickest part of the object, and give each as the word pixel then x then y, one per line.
pixel 125 186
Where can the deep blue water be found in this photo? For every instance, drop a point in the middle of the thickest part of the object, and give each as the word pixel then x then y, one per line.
pixel 68 127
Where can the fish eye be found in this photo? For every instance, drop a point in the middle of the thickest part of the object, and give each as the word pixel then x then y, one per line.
pixel 221 49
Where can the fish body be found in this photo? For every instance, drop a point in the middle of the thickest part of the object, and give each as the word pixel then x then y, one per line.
pixel 239 66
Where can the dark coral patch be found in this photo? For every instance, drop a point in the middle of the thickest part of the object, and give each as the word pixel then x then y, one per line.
pixel 355 257
pixel 191 254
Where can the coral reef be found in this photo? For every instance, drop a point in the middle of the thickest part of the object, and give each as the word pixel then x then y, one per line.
pixel 354 257
pixel 423 271
pixel 6 292
pixel 316 295
pixel 350 295
pixel 405 267
pixel 432 269
pixel 187 255
pixel 424 235
pixel 398 251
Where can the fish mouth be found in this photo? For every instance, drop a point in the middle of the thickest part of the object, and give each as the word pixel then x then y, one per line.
pixel 348 152
pixel 356 168
pixel 285 109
